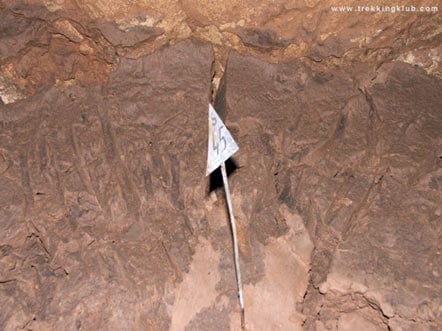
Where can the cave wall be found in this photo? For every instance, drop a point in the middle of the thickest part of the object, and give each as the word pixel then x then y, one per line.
pixel 108 221
pixel 66 42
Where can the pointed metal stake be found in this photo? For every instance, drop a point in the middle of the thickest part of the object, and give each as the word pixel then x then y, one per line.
pixel 235 243
pixel 221 147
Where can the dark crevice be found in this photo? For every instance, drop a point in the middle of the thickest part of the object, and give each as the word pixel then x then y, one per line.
pixel 216 179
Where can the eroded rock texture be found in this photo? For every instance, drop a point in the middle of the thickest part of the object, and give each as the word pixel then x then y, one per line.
pixel 360 161
pixel 67 42
pixel 287 27
pixel 108 222
pixel 85 241
pixel 105 212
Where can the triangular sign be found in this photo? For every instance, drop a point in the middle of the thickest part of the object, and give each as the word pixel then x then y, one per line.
pixel 221 143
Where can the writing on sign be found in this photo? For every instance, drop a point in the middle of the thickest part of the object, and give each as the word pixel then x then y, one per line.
pixel 221 143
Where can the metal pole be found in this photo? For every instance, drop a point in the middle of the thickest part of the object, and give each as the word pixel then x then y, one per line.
pixel 235 243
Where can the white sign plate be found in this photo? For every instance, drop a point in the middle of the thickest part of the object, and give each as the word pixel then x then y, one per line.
pixel 221 143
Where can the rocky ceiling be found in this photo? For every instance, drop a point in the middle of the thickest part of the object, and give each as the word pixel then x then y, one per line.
pixel 43 39
pixel 107 220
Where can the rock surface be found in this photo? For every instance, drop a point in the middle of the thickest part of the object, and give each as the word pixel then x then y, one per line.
pixel 290 27
pixel 108 221
pixel 360 161
pixel 89 178
pixel 74 41
pixel 106 218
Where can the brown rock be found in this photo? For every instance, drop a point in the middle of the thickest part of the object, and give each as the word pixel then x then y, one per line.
pixel 354 321
pixel 130 36
pixel 74 261
pixel 285 29
pixel 66 28
pixel 357 166
pixel 108 221
pixel 395 238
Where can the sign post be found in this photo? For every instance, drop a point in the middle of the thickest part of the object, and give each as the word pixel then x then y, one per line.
pixel 221 147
